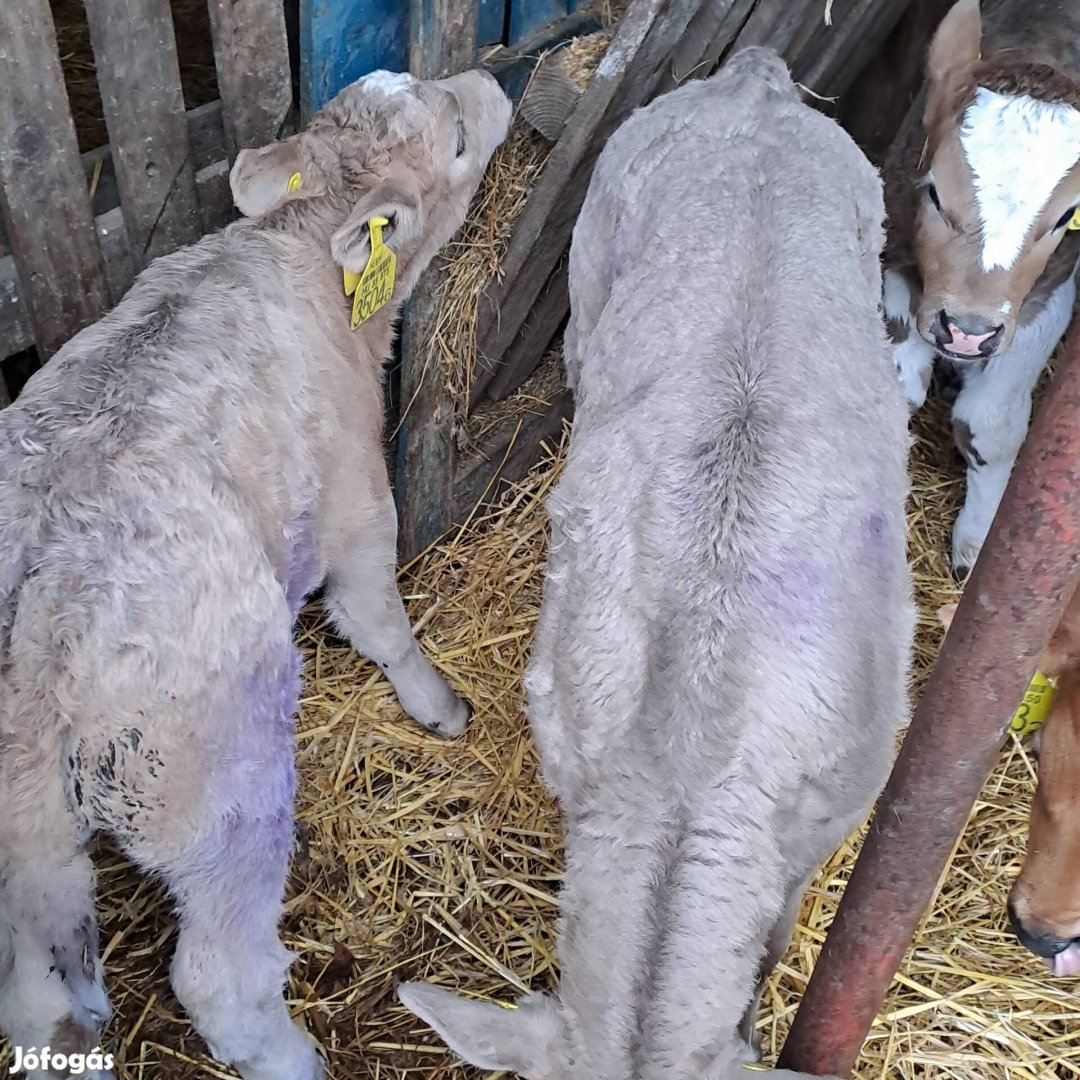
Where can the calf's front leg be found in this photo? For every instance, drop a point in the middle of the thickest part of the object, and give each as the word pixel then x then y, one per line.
pixel 365 603
pixel 991 418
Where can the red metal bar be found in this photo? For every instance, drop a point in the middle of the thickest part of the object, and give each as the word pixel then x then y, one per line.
pixel 1011 605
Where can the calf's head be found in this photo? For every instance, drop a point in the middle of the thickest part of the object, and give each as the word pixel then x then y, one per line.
pixel 1044 905
pixel 999 180
pixel 390 146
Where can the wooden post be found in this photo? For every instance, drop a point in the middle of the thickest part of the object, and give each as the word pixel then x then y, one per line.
pixel 442 37
pixel 42 190
pixel 139 77
pixel 251 52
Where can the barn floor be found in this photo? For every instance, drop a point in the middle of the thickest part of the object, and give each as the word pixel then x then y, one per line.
pixel 419 858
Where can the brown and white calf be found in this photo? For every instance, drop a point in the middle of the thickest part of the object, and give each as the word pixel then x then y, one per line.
pixel 981 186
pixel 1044 904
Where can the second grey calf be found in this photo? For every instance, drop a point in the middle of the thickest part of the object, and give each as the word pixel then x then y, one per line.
pixel 720 665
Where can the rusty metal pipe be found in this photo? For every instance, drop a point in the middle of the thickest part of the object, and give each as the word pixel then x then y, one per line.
pixel 1016 594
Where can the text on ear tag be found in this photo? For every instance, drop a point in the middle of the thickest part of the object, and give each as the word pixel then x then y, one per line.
pixel 374 287
pixel 294 182
pixel 1074 221
pixel 1035 707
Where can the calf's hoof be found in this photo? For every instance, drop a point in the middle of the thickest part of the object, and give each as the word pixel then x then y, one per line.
pixel 453 722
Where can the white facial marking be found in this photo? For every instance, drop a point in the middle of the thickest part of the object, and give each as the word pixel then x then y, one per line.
pixel 1018 149
pixel 389 82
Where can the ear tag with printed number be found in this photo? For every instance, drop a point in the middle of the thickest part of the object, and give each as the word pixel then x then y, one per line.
pixel 1074 221
pixel 294 182
pixel 1035 707
pixel 372 289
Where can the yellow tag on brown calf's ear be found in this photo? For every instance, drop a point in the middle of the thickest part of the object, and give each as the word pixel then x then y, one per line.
pixel 374 287
pixel 1074 221
pixel 1035 708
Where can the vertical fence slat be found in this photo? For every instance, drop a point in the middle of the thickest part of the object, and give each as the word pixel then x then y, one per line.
pixel 251 52
pixel 139 78
pixel 529 15
pixel 340 40
pixel 490 19
pixel 442 37
pixel 42 190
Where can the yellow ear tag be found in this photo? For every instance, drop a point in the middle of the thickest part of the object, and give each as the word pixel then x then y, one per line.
pixel 1074 221
pixel 294 182
pixel 756 1067
pixel 1035 707
pixel 372 289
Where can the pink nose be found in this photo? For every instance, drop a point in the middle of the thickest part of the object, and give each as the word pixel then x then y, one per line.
pixel 965 335
pixel 966 344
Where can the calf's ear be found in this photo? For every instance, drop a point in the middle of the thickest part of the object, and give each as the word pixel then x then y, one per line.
pixel 954 52
pixel 263 179
pixel 398 203
pixel 521 1040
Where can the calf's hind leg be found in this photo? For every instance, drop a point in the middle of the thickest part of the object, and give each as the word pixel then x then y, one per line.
pixel 51 989
pixel 777 944
pixel 228 880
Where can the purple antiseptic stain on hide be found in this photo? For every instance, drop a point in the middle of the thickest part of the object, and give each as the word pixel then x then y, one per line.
pixel 304 570
pixel 794 589
pixel 873 537
pixel 239 866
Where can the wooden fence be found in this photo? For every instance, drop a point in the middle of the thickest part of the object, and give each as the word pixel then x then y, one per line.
pixel 78 228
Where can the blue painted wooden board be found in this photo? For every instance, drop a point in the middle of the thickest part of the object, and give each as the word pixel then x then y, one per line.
pixel 529 15
pixel 490 20
pixel 340 40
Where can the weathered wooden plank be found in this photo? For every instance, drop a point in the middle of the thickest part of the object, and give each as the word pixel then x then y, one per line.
pixel 528 16
pixel 16 331
pixel 426 458
pixel 442 37
pixel 42 191
pixel 539 330
pixel 251 53
pixel 206 138
pixel 508 456
pixel 877 101
pixel 139 78
pixel 624 79
pixel 832 69
pixel 707 38
pixel 340 40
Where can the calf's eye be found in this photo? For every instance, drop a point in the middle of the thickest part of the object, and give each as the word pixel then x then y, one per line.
pixel 1065 219
pixel 932 195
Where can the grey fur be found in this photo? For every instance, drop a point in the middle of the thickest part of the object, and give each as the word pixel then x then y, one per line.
pixel 172 485
pixel 720 665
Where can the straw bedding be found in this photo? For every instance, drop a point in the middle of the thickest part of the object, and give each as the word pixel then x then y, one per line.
pixel 422 859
